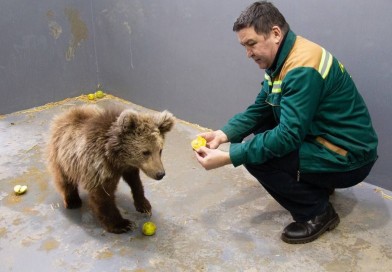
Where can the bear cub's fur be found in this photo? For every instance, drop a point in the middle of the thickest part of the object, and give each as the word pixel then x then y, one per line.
pixel 94 147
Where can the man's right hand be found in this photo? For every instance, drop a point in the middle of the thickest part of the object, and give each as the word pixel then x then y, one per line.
pixel 214 138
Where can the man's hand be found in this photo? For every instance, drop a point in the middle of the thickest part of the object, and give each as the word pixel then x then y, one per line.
pixel 214 138
pixel 212 158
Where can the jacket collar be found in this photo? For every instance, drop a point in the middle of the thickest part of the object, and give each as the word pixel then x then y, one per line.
pixel 283 52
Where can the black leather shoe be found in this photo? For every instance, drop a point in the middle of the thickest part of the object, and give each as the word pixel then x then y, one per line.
pixel 305 232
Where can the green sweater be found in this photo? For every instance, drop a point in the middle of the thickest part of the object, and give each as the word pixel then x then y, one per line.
pixel 318 110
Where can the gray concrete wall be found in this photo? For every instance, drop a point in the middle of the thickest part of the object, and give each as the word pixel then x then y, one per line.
pixel 182 55
pixel 46 52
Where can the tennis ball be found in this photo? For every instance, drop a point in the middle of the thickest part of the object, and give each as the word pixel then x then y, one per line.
pixel 198 142
pixel 20 189
pixel 149 228
pixel 99 94
pixel 91 96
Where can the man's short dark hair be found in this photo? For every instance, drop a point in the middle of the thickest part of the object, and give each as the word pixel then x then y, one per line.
pixel 262 15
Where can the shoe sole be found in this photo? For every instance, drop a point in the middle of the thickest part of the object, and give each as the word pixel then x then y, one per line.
pixel 333 223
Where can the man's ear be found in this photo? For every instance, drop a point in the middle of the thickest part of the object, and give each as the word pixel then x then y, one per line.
pixel 276 34
pixel 128 120
pixel 164 121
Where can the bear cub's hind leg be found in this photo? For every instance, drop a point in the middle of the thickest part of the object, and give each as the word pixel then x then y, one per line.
pixel 71 197
pixel 68 190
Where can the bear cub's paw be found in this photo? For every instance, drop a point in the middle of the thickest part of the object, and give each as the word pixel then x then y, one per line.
pixel 143 206
pixel 122 226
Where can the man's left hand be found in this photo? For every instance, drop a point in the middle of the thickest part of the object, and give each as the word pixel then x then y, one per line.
pixel 212 158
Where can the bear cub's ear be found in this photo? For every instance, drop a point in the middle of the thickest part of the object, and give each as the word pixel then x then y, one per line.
pixel 164 121
pixel 128 120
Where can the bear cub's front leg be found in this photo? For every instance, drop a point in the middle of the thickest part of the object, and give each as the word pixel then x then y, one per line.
pixel 132 177
pixel 104 207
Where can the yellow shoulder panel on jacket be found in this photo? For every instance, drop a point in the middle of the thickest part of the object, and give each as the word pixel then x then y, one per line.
pixel 305 54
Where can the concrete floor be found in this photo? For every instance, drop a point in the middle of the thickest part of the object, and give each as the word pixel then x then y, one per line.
pixel 219 220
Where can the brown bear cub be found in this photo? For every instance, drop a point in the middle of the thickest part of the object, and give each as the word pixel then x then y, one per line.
pixel 94 147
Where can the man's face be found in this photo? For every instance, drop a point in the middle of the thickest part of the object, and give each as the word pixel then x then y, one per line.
pixel 262 50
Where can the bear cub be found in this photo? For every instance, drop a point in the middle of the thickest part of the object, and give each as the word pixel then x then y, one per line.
pixel 94 147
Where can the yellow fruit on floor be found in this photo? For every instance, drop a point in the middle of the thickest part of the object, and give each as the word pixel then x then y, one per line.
pixel 91 96
pixel 20 189
pixel 198 142
pixel 149 228
pixel 99 94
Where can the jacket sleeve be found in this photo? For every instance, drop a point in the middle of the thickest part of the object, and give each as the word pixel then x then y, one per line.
pixel 299 98
pixel 245 123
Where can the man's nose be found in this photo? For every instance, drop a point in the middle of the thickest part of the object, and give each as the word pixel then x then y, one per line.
pixel 249 53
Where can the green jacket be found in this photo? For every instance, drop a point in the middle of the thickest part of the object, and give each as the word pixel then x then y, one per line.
pixel 317 108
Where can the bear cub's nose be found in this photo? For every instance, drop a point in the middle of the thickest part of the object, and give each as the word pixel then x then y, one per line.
pixel 160 175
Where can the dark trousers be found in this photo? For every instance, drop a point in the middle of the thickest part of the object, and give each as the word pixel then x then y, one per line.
pixel 307 197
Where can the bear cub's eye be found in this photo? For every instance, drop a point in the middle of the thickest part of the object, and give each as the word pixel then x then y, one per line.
pixel 146 153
